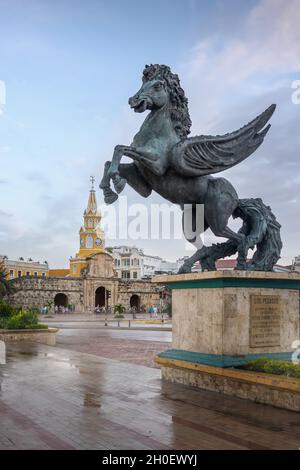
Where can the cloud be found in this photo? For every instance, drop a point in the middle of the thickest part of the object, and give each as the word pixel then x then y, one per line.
pixel 268 42
pixel 230 79
pixel 258 57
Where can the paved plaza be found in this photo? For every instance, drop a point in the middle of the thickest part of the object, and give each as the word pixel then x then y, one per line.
pixel 85 394
pixel 136 347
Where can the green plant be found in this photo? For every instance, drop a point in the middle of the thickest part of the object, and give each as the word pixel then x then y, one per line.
pixel 274 366
pixel 22 320
pixel 6 310
pixel 49 304
pixel 168 309
pixel 119 310
pixel 34 310
pixel 6 286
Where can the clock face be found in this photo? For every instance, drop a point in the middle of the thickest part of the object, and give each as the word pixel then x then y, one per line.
pixel 98 242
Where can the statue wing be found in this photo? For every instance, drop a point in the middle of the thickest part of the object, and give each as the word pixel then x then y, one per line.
pixel 204 155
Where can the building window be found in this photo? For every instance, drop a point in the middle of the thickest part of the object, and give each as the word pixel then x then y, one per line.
pixel 35 274
pixel 43 274
pixel 90 223
pixel 74 269
pixel 28 273
pixel 125 275
pixel 19 273
pixel 11 274
pixel 134 275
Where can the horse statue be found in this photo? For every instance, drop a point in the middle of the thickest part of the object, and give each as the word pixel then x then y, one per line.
pixel 179 168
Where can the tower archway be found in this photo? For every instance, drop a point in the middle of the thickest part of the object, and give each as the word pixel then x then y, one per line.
pixel 100 297
pixel 135 302
pixel 61 300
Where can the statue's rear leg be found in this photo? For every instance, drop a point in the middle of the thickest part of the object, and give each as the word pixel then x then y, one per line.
pixel 220 201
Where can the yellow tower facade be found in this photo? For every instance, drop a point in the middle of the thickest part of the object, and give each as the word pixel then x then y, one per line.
pixel 91 236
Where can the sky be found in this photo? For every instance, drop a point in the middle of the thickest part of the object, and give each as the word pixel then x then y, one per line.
pixel 69 67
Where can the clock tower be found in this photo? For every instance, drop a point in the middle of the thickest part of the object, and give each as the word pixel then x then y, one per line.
pixel 91 236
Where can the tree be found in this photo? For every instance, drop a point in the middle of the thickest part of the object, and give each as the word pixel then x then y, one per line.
pixel 5 284
pixel 119 310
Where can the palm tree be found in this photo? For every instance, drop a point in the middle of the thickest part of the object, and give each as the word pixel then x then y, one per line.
pixel 5 284
pixel 119 310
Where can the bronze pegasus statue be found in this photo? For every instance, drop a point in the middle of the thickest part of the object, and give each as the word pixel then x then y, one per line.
pixel 179 168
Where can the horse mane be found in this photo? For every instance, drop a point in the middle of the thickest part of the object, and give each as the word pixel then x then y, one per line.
pixel 179 103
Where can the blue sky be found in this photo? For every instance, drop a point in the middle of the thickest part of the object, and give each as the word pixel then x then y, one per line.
pixel 69 68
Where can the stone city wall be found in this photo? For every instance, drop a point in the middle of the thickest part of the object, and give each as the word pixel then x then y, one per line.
pixel 148 292
pixel 39 291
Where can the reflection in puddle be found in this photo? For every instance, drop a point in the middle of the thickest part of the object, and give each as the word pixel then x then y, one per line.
pixel 91 400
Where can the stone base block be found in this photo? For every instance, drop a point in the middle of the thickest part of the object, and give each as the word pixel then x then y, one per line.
pixel 281 392
pixel 234 313
pixel 37 336
pixel 223 319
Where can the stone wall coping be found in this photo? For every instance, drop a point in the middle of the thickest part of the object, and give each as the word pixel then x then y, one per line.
pixel 273 381
pixel 226 273
pixel 40 330
pixel 43 278
pixel 227 278
pixel 222 360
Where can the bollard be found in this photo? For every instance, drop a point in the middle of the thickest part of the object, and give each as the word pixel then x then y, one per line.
pixel 2 353
pixel 118 323
pixel 129 324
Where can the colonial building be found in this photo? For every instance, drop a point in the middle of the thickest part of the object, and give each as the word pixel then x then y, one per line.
pixel 21 267
pixel 132 263
pixel 90 281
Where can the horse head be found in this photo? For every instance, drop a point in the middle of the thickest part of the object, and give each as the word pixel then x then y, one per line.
pixel 152 95
pixel 162 88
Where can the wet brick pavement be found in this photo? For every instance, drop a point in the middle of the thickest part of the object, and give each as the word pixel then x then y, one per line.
pixel 55 398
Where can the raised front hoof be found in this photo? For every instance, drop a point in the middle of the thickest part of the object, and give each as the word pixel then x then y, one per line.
pixel 184 269
pixel 119 185
pixel 110 198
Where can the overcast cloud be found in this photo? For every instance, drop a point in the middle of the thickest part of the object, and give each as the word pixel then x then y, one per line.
pixel 63 118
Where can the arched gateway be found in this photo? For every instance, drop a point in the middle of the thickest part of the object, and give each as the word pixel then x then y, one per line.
pixel 100 297
pixel 61 300
pixel 135 302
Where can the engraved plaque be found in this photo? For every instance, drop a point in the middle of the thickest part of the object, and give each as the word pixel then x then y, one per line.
pixel 264 320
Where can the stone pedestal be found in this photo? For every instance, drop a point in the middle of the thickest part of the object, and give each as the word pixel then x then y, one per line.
pixel 226 318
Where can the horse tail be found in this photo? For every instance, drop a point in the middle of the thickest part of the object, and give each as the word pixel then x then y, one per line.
pixel 266 234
